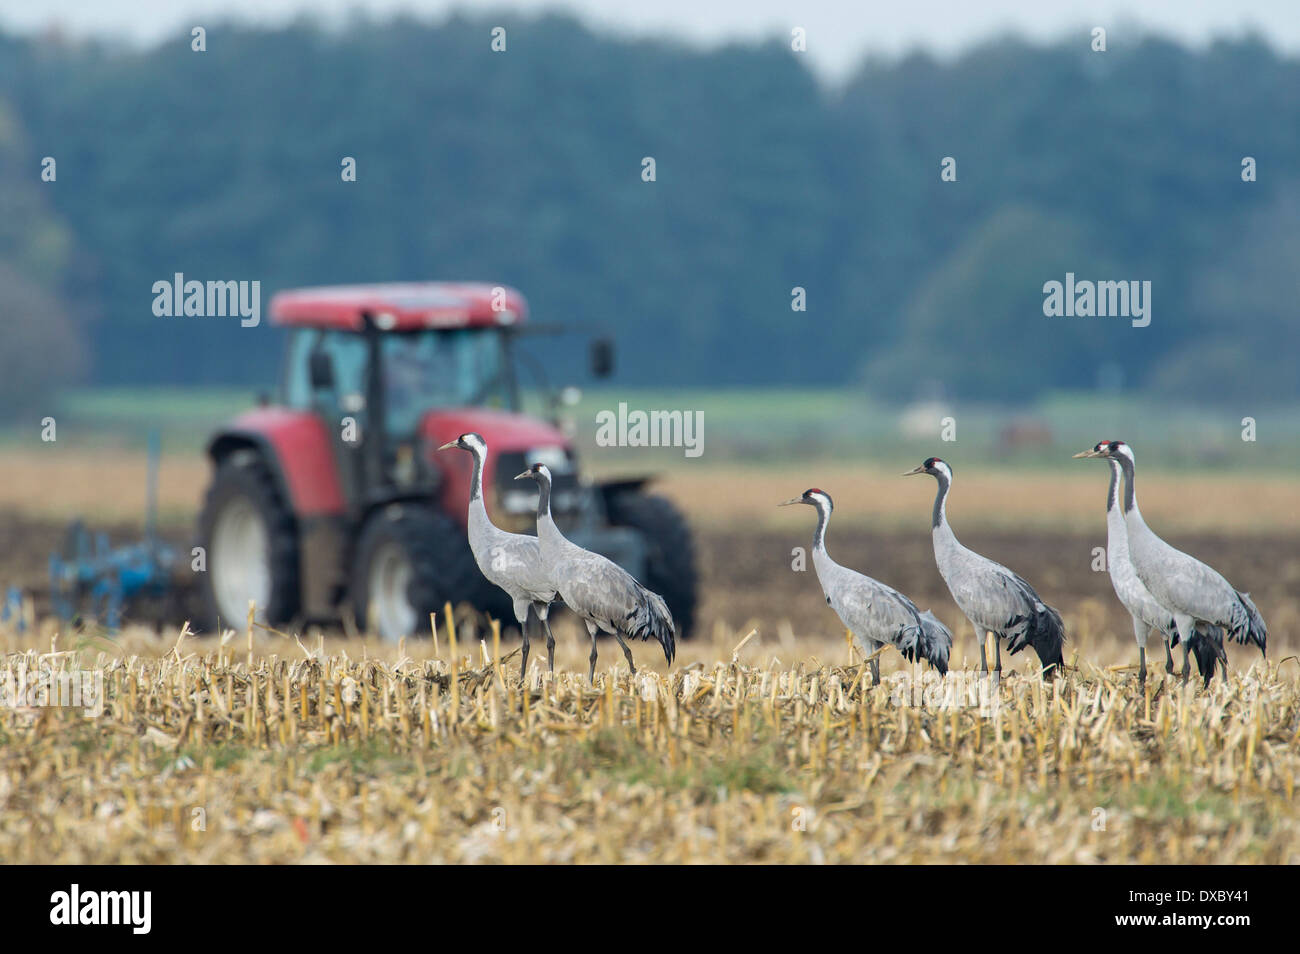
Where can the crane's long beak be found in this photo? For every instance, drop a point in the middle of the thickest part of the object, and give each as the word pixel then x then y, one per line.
pixel 527 473
pixel 1090 452
pixel 792 500
pixel 449 444
pixel 919 469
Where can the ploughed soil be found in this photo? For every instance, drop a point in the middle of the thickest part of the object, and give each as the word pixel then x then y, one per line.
pixel 748 575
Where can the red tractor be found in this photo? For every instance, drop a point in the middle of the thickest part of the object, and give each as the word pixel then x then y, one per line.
pixel 334 502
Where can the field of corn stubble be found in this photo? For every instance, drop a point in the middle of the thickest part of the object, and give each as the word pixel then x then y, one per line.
pixel 764 747
pixel 292 752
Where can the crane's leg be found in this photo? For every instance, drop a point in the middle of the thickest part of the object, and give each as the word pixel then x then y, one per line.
pixel 1169 657
pixel 541 609
pixel 979 638
pixel 591 673
pixel 521 613
pixel 875 662
pixel 627 653
pixel 1140 631
pixel 997 650
pixel 1185 630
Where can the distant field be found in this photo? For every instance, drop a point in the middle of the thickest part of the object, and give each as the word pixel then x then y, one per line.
pixel 766 425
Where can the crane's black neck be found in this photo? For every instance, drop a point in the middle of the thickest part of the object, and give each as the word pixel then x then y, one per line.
pixel 1130 495
pixel 476 482
pixel 543 495
pixel 823 518
pixel 940 500
pixel 1112 495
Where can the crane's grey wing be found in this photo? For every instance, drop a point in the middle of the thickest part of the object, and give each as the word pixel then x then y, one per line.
pixel 873 610
pixel 866 606
pixel 998 600
pixel 513 562
pixel 988 593
pixel 1186 585
pixel 600 590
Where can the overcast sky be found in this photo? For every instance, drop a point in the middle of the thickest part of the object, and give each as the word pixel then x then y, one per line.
pixel 839 33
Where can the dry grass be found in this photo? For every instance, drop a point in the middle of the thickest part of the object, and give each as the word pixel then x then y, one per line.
pixel 349 750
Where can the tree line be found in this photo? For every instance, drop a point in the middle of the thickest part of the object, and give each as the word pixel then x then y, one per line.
pixel 919 209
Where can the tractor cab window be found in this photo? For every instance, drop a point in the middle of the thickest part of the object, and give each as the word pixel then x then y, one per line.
pixel 348 364
pixel 425 370
pixel 349 356
pixel 297 381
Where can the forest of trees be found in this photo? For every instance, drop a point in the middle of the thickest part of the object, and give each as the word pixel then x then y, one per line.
pixel 525 167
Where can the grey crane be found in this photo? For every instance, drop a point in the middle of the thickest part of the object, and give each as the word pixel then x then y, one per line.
pixel 1199 597
pixel 1146 611
pixel 601 592
pixel 510 560
pixel 874 613
pixel 992 597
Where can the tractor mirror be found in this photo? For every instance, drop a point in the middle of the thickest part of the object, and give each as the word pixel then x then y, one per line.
pixel 321 369
pixel 602 357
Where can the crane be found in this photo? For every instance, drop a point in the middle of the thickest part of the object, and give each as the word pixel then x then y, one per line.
pixel 1198 596
pixel 874 613
pixel 992 597
pixel 510 560
pixel 598 590
pixel 1147 613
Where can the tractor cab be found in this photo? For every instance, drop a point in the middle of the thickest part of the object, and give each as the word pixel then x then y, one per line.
pixel 374 362
pixel 334 500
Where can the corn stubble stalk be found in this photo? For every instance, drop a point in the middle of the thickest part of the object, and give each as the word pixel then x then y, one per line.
pixel 353 756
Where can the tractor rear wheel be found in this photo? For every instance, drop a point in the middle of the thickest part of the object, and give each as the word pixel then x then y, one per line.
pixel 409 561
pixel 670 551
pixel 251 545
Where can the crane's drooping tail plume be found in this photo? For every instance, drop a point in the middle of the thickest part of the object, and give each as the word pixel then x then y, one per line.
pixel 932 642
pixel 1207 646
pixel 1247 625
pixel 650 617
pixel 1045 632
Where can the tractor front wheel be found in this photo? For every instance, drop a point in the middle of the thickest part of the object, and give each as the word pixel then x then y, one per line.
pixel 251 545
pixel 409 562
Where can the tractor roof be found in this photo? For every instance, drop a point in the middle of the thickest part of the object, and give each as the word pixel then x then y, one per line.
pixel 401 306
